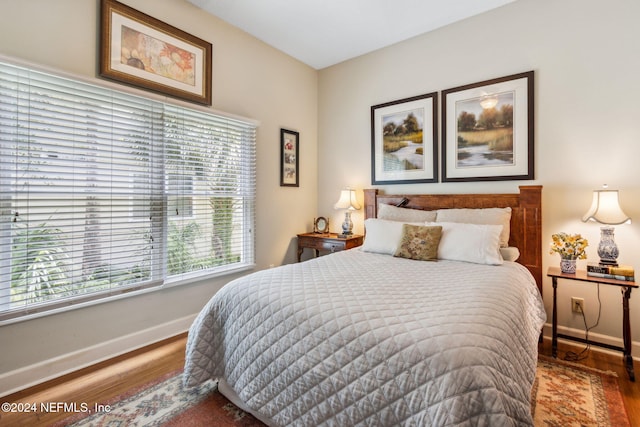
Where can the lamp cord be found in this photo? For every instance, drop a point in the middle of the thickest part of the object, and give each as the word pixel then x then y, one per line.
pixel 573 356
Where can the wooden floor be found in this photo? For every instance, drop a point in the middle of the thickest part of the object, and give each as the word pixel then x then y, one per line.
pixel 99 383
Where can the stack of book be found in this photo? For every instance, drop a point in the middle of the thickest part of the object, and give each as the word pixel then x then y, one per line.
pixel 619 272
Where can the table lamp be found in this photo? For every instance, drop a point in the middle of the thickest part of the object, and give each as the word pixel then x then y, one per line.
pixel 605 209
pixel 347 201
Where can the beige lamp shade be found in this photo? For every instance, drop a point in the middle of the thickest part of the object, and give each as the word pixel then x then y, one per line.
pixel 347 200
pixel 605 209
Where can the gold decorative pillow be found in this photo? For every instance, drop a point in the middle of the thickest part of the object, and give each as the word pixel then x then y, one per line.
pixel 419 242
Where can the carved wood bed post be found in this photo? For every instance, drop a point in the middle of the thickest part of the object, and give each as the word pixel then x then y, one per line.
pixel 531 243
pixel 370 204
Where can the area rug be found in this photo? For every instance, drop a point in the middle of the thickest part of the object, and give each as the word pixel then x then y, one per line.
pixel 564 394
pixel 164 402
pixel 569 394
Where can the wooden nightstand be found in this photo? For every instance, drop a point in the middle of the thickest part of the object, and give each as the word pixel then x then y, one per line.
pixel 625 288
pixel 327 242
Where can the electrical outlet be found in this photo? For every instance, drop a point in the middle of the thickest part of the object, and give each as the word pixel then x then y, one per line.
pixel 577 305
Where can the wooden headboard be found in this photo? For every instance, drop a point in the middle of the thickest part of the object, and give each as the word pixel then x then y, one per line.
pixel 526 216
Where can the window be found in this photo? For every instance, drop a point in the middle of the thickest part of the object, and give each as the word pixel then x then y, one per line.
pixel 103 192
pixel 179 190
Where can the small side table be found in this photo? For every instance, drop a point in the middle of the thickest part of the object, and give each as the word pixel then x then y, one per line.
pixel 625 288
pixel 328 242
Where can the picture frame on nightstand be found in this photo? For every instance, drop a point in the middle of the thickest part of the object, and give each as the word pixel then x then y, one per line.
pixel 321 225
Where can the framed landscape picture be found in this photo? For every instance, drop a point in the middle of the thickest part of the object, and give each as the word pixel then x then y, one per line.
pixel 289 158
pixel 487 130
pixel 403 141
pixel 142 51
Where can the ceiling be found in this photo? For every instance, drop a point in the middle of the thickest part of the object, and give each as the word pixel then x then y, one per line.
pixel 322 33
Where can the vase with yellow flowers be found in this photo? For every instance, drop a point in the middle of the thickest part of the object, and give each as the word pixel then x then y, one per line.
pixel 571 248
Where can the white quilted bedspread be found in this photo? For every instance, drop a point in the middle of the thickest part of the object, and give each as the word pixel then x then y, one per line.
pixel 356 338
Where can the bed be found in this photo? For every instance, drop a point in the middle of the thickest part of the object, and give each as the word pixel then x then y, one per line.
pixel 365 337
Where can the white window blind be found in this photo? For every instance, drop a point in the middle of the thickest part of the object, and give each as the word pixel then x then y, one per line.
pixel 103 192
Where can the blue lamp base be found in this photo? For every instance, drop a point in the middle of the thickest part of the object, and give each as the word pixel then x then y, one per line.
pixel 607 249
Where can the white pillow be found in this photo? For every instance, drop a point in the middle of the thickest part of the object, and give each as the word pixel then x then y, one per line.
pixel 493 216
pixel 394 213
pixel 382 236
pixel 510 253
pixel 476 243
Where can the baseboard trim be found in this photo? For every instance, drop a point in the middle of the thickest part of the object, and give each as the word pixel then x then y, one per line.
pixel 605 339
pixel 29 376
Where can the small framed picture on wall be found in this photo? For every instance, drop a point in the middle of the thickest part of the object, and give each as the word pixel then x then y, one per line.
pixel 289 158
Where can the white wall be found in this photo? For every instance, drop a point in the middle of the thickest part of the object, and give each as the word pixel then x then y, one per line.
pixel 587 132
pixel 250 79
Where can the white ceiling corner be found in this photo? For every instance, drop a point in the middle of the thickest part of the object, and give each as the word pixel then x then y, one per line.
pixel 324 33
